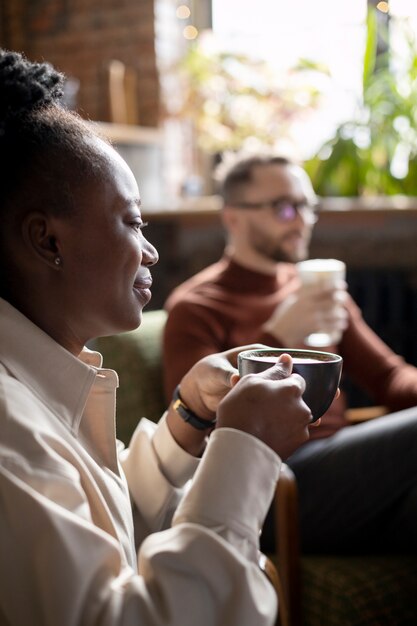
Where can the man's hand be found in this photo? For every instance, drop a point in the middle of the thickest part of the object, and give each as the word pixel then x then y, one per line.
pixel 310 309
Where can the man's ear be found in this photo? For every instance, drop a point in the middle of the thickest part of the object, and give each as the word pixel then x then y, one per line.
pixel 40 237
pixel 230 218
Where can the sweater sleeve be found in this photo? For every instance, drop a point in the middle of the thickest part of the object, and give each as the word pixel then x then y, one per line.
pixel 375 367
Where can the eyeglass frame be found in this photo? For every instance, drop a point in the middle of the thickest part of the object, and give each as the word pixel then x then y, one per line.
pixel 301 207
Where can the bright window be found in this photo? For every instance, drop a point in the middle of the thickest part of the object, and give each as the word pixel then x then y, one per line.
pixel 327 31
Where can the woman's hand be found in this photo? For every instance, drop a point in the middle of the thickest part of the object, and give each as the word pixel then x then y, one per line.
pixel 210 379
pixel 202 388
pixel 269 406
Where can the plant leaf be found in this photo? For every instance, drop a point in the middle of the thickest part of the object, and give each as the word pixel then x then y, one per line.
pixel 369 59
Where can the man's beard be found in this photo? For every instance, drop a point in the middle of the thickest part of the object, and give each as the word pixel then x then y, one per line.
pixel 274 250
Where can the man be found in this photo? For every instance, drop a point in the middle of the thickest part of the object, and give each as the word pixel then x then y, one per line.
pixel 357 485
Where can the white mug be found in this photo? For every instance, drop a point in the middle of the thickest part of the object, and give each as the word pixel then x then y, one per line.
pixel 329 272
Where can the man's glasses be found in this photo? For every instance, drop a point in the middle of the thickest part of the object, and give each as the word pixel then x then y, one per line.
pixel 285 209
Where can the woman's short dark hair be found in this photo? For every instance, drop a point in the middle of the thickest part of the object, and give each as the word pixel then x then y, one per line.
pixel 45 150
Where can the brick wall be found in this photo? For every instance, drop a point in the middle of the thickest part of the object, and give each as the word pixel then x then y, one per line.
pixel 80 37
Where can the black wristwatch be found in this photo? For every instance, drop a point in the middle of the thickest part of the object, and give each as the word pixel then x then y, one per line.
pixel 187 415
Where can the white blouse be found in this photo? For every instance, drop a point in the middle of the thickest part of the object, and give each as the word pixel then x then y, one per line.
pixel 67 490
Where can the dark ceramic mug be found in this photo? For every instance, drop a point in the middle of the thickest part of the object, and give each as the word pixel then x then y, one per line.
pixel 320 370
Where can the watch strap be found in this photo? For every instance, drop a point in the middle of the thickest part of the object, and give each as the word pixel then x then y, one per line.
pixel 189 416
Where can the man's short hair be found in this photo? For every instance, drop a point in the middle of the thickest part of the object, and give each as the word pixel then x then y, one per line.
pixel 241 174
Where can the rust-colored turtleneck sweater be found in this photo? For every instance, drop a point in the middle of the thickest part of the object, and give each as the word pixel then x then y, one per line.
pixel 226 305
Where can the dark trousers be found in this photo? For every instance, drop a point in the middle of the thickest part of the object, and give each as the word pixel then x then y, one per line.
pixel 358 489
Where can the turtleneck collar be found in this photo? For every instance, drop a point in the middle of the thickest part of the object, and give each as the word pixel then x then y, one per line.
pixel 237 277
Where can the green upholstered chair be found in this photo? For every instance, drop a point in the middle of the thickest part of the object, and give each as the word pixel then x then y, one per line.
pixel 339 590
pixel 359 591
pixel 317 590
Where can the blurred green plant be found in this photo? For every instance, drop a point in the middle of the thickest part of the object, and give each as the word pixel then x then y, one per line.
pixel 376 152
pixel 237 102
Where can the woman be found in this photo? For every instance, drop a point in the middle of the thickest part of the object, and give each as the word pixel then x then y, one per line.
pixel 75 265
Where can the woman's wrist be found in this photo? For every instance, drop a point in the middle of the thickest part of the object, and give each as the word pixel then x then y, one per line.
pixel 188 415
pixel 188 429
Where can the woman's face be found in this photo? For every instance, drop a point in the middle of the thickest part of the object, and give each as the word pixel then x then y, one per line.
pixel 105 276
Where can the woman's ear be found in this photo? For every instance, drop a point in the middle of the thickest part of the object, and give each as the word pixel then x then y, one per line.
pixel 40 237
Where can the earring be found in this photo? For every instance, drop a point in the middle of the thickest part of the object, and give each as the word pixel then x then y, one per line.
pixel 58 261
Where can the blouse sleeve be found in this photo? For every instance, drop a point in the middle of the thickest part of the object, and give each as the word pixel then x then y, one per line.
pixel 203 570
